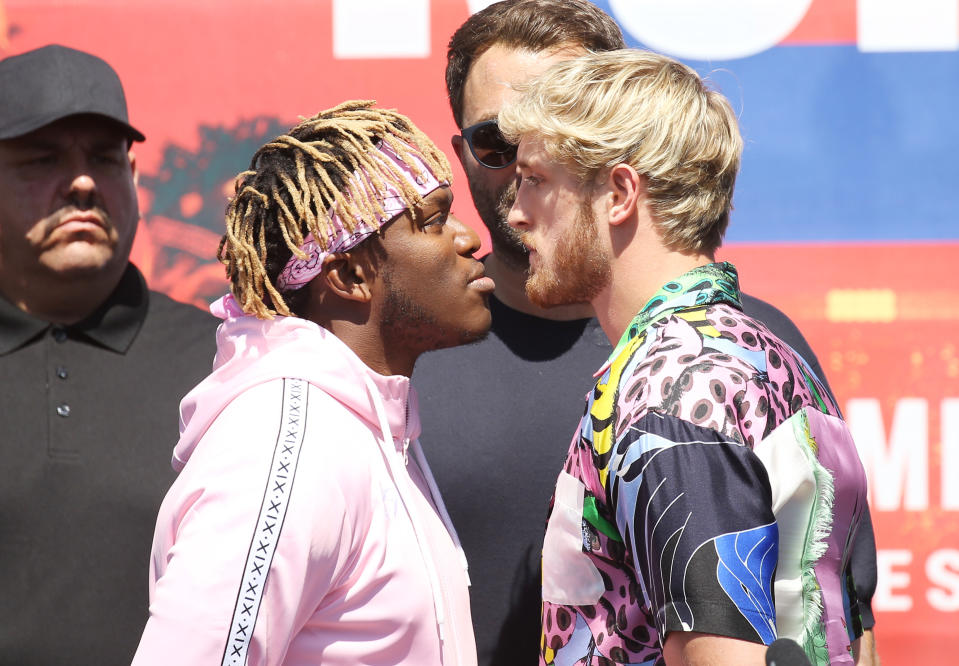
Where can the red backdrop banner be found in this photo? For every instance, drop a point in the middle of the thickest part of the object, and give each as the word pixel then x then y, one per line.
pixel 208 82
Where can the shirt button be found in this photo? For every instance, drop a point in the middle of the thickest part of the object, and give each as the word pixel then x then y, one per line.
pixel 62 372
pixel 63 410
pixel 59 334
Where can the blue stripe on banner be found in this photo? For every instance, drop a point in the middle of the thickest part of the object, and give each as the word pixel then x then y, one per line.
pixel 276 496
pixel 843 145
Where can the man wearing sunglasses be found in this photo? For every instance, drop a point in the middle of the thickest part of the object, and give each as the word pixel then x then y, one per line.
pixel 496 462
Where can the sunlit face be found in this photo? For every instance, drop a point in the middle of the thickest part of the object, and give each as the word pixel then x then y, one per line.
pixel 68 204
pixel 554 217
pixel 488 87
pixel 435 292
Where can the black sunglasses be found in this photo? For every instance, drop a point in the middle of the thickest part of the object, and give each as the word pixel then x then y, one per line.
pixel 488 146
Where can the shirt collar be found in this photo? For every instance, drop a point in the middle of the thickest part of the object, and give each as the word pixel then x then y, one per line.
pixel 113 325
pixel 17 327
pixel 703 285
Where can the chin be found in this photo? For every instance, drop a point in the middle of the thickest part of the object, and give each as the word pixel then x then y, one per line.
pixel 548 295
pixel 477 329
pixel 79 270
pixel 479 332
pixel 80 258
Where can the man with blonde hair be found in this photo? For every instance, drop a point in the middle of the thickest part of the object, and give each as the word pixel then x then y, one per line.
pixel 711 493
pixel 549 352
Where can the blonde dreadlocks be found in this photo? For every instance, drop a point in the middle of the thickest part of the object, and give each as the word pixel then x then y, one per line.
pixel 296 180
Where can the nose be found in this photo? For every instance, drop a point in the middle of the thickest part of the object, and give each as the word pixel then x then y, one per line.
pixel 81 186
pixel 466 240
pixel 516 218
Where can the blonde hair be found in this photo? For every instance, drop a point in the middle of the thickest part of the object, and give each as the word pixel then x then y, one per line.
pixel 297 178
pixel 651 112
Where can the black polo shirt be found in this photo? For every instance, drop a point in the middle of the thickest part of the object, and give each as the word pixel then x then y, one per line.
pixel 88 421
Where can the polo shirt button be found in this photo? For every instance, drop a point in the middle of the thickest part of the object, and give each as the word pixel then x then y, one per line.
pixel 59 334
pixel 62 372
pixel 63 410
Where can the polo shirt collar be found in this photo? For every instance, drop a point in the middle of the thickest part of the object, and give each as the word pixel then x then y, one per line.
pixel 113 325
pixel 17 327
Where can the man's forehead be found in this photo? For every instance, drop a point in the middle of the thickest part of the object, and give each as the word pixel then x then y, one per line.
pixel 531 152
pixel 441 197
pixel 495 73
pixel 85 129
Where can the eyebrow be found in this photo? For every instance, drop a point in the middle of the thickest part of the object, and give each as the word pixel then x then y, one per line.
pixel 442 200
pixel 484 118
pixel 37 143
pixel 441 196
pixel 33 143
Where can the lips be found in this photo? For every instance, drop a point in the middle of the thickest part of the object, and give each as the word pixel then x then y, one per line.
pixel 479 280
pixel 524 238
pixel 82 217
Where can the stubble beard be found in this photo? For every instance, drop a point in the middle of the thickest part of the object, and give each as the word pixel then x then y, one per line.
pixel 408 323
pixel 578 270
pixel 493 208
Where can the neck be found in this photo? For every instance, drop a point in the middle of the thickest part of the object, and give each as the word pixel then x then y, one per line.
pixel 59 299
pixel 635 279
pixel 511 291
pixel 358 327
pixel 380 354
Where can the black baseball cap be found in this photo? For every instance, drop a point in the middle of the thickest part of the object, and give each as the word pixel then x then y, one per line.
pixel 44 85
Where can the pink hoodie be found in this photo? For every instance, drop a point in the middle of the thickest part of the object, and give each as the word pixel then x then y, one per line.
pixel 295 534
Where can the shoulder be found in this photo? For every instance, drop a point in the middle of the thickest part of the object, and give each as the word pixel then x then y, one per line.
pixel 786 330
pixel 165 310
pixel 265 413
pixel 712 367
pixel 288 432
pixel 179 330
pixel 775 320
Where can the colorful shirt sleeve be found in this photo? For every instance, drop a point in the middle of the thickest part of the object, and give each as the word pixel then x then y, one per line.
pixel 695 510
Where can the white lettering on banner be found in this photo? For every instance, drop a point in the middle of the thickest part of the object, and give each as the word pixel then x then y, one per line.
pixel 478 5
pixel 942 569
pixel 917 25
pixel 889 581
pixel 381 29
pixel 894 589
pixel 709 30
pixel 949 416
pixel 897 469
pixel 697 29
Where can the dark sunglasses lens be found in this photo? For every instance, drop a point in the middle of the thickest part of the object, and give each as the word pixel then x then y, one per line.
pixel 490 148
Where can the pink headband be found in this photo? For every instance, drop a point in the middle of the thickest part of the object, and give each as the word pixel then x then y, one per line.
pixel 299 272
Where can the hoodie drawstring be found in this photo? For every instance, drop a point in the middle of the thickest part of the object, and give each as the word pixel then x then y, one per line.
pixel 440 505
pixel 392 460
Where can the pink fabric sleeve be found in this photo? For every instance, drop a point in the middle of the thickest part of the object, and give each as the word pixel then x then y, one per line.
pixel 211 524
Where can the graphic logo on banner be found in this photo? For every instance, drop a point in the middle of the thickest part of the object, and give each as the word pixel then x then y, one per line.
pixel 845 209
pixel 694 29
pixel 709 30
pixel 184 206
pixel 6 30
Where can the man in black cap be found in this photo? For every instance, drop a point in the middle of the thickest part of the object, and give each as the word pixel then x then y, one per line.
pixel 92 367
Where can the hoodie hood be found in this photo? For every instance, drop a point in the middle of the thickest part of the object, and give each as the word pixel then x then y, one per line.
pixel 251 351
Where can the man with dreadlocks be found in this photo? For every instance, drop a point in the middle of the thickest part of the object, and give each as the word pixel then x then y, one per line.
pixel 305 526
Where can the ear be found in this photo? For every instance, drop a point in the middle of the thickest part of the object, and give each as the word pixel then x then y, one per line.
pixel 133 167
pixel 347 276
pixel 625 189
pixel 458 147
